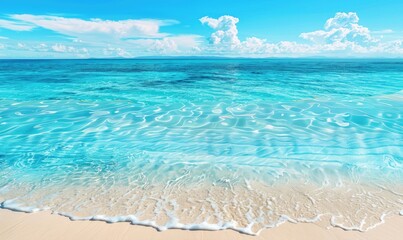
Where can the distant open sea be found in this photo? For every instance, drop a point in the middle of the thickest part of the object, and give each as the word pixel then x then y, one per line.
pixel 204 144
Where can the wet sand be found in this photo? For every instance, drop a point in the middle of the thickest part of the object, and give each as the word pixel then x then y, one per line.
pixel 47 226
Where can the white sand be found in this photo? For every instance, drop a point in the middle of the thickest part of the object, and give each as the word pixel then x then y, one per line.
pixel 43 226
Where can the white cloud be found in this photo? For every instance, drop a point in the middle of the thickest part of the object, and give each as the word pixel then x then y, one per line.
pixel 393 48
pixel 163 46
pixel 342 20
pixel 113 52
pixel 60 48
pixel 294 48
pixel 175 45
pixel 225 40
pixel 342 35
pixel 37 49
pixel 260 47
pixel 343 27
pixel 107 38
pixel 226 33
pixel 256 45
pixel 15 25
pixel 80 28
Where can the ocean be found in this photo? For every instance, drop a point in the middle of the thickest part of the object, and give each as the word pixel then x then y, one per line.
pixel 242 144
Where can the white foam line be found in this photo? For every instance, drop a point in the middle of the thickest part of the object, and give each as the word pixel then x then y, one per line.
pixel 174 223
pixel 14 206
pixel 360 228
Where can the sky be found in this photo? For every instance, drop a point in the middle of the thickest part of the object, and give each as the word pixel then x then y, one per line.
pixel 254 28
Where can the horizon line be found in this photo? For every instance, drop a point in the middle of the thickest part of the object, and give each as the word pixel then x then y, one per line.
pixel 212 58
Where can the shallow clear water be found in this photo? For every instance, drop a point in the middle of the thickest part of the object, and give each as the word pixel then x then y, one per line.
pixel 136 128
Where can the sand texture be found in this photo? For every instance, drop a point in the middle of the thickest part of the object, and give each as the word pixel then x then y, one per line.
pixel 44 226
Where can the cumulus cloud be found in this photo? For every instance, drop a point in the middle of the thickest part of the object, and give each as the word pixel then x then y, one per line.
pixel 343 27
pixel 81 28
pixel 257 45
pixel 225 40
pixel 226 30
pixel 342 35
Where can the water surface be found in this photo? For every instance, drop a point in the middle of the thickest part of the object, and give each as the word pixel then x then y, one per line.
pixel 211 144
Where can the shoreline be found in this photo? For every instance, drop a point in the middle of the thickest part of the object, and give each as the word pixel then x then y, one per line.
pixel 44 225
pixel 362 209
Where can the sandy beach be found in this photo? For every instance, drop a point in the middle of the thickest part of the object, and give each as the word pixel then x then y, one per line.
pixel 44 226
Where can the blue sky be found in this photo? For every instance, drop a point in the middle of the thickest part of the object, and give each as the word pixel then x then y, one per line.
pixel 259 28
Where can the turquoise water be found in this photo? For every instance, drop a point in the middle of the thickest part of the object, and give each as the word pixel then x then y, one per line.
pixel 129 124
